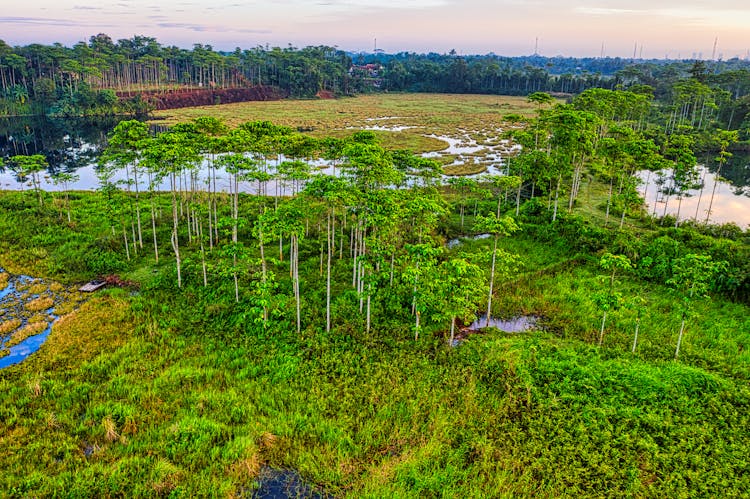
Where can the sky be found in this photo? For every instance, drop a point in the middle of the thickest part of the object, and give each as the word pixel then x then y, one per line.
pixel 648 28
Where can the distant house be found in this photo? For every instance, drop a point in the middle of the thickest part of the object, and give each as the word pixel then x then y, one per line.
pixel 368 70
pixel 370 74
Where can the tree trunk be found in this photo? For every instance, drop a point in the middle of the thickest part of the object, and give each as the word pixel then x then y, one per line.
pixel 679 338
pixel 713 193
pixel 175 238
pixel 416 326
pixel 138 206
pixel 601 330
pixel 203 254
pixel 328 279
pixel 125 236
pixel 609 203
pixel 492 282
pixel 635 338
pixel 153 229
pixel 294 250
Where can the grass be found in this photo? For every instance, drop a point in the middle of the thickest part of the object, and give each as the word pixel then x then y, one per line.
pixel 430 113
pixel 472 118
pixel 30 329
pixel 464 169
pixel 183 393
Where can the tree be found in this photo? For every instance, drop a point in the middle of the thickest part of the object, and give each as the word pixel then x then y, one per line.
pixel 423 261
pixel 169 154
pixel 610 299
pixel 64 179
pixel 684 174
pixel 540 99
pixel 290 218
pixel 238 166
pixel 30 166
pixel 692 278
pixel 497 227
pixel 460 285
pixel 462 186
pixel 725 138
pixel 573 136
pixel 124 149
pixel 333 191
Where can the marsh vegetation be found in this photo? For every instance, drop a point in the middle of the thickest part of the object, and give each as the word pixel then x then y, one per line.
pixel 313 331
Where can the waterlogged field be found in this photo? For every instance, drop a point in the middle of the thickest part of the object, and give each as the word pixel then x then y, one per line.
pixel 155 391
pixel 463 132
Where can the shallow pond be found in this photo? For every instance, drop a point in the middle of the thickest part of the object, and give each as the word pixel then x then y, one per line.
pixel 273 483
pixel 514 325
pixel 518 324
pixel 456 242
pixel 28 308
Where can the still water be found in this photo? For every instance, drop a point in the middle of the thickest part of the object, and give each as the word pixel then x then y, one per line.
pixel 74 145
pixel 730 193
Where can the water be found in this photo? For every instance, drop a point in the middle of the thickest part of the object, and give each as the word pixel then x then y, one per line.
pixel 283 484
pixel 74 145
pixel 383 128
pixel 18 293
pixel 467 151
pixel 518 324
pixel 731 202
pixel 455 242
pixel 28 346
pixel 515 325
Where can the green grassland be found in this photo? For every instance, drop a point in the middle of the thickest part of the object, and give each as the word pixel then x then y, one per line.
pixel 480 118
pixel 433 113
pixel 179 393
pixel 158 391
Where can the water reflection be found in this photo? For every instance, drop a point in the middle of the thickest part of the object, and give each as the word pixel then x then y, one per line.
pixel 731 201
pixel 74 145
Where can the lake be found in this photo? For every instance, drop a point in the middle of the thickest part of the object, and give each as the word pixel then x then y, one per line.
pixel 74 145
pixel 731 200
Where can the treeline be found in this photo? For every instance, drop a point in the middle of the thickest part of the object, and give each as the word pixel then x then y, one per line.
pixel 493 74
pixel 102 76
pixel 89 77
pixel 697 93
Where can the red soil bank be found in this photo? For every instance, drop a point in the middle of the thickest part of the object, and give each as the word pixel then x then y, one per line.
pixel 174 99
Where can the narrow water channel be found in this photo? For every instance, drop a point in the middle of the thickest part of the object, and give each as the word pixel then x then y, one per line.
pixel 29 307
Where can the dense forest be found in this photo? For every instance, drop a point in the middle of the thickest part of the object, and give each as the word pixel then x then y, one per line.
pixel 108 77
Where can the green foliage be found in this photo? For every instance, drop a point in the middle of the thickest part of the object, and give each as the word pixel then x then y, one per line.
pixel 187 391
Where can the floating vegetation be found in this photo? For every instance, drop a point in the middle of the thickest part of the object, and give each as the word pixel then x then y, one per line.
pixel 41 303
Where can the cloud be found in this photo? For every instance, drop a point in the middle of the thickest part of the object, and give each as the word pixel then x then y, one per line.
pixel 38 20
pixel 85 7
pixel 598 11
pixel 201 28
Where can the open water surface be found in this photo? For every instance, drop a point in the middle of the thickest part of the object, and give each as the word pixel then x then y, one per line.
pixel 15 298
pixel 74 146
